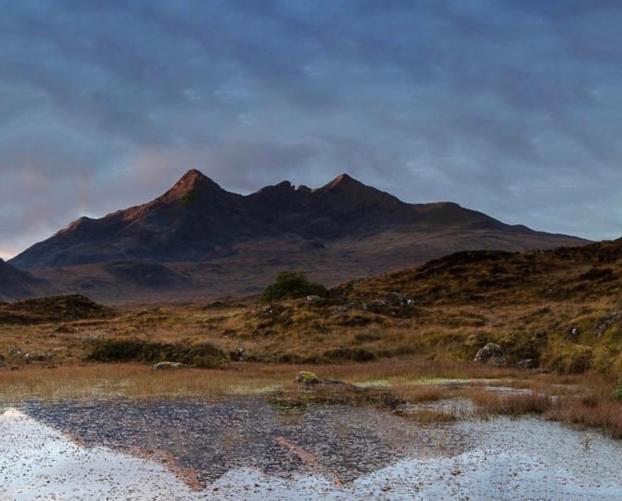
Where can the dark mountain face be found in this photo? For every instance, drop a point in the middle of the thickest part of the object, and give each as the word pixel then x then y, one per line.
pixel 17 284
pixel 197 220
pixel 342 230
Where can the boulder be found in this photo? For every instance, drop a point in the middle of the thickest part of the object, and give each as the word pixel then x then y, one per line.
pixel 163 366
pixel 491 354
pixel 237 355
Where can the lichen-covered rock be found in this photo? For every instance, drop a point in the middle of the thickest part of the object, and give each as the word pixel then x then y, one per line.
pixel 307 378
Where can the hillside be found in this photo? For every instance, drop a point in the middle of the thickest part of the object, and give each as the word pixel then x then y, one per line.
pixel 199 239
pixel 498 277
pixel 17 284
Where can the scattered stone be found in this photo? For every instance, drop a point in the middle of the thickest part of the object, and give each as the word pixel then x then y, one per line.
pixel 528 363
pixel 36 357
pixel 162 366
pixel 237 355
pixel 397 299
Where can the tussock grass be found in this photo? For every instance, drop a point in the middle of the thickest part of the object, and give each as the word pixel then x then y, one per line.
pixel 590 413
pixel 489 403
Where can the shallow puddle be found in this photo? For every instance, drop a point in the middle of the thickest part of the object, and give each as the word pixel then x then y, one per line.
pixel 245 448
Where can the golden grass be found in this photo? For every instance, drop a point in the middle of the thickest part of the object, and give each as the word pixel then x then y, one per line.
pixel 414 379
pixel 136 381
pixel 590 413
pixel 489 403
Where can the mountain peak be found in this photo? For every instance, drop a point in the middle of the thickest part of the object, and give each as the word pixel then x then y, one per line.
pixel 343 182
pixel 192 181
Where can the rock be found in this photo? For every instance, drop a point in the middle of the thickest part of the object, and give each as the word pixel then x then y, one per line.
pixel 491 354
pixel 313 299
pixel 528 363
pixel 307 378
pixel 162 366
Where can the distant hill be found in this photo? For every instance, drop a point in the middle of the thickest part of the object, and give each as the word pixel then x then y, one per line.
pixel 199 239
pixel 18 284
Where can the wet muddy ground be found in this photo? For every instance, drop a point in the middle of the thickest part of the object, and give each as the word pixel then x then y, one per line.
pixel 248 448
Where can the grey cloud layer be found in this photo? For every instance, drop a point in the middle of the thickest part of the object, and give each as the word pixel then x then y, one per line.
pixel 508 107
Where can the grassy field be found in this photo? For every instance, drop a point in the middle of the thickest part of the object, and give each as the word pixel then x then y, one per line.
pixel 414 333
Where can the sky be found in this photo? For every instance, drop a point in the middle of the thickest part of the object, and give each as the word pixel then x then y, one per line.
pixel 511 107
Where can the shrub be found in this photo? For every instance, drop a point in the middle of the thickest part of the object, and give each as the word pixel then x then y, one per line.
pixel 291 284
pixel 572 360
pixel 134 350
pixel 349 355
pixel 618 391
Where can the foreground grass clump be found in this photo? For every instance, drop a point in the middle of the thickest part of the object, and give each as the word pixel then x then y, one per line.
pixel 432 417
pixel 291 284
pixel 133 350
pixel 605 415
pixel 489 403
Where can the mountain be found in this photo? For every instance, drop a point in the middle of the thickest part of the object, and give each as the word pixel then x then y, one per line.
pixel 199 237
pixel 18 284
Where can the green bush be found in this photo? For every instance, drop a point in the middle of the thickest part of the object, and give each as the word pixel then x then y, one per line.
pixel 291 284
pixel 134 350
pixel 618 392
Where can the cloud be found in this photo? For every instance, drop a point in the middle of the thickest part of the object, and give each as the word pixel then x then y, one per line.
pixel 512 108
